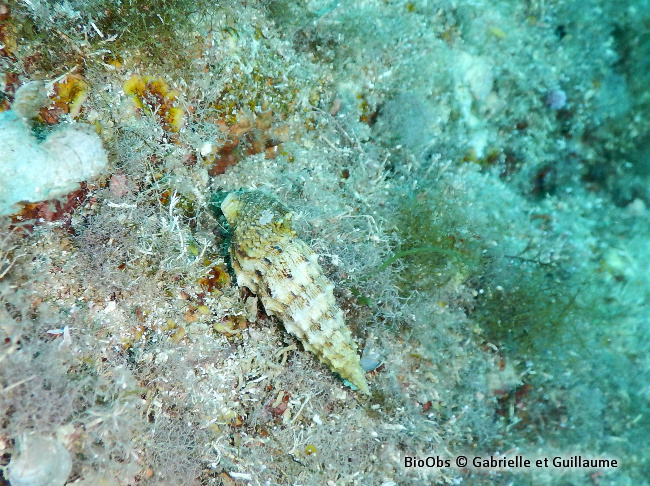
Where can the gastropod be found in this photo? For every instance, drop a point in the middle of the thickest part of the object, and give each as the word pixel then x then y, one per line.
pixel 283 271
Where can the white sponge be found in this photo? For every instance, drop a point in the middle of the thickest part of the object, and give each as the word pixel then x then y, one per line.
pixel 32 171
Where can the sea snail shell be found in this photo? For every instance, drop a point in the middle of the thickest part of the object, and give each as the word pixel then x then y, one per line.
pixel 284 272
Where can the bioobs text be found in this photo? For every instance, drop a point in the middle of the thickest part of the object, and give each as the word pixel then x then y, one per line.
pixel 429 461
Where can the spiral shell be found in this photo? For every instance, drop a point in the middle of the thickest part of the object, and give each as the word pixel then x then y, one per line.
pixel 284 272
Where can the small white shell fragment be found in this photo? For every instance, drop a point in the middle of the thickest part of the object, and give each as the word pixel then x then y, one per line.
pixel 41 461
pixel 206 149
pixel 241 476
pixel 283 271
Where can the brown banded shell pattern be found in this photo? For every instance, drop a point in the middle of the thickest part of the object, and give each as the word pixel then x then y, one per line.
pixel 271 261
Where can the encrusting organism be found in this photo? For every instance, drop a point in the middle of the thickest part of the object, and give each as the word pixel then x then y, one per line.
pixel 283 271
pixel 33 171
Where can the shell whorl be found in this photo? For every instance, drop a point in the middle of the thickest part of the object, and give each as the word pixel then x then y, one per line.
pixel 271 261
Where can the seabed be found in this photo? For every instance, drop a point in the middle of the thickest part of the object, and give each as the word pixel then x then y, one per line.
pixel 473 175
